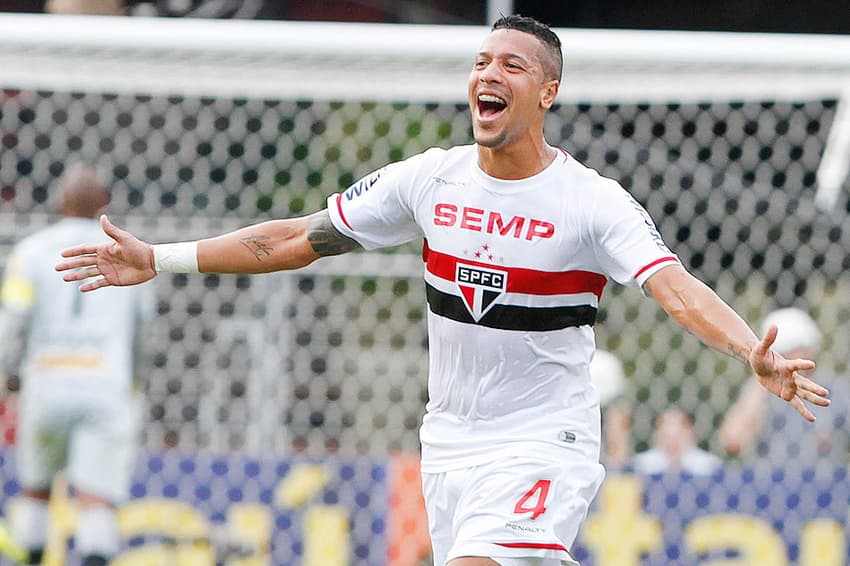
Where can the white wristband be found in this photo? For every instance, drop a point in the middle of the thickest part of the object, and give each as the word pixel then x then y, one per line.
pixel 181 257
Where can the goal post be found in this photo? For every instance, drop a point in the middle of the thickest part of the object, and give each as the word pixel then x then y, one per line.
pixel 736 143
pixel 404 62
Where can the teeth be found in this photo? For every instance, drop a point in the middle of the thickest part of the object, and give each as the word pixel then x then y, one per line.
pixel 490 98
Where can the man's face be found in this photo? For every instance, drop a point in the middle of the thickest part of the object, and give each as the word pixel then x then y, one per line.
pixel 508 91
pixel 674 433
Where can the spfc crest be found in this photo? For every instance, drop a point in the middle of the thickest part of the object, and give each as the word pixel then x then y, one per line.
pixel 480 287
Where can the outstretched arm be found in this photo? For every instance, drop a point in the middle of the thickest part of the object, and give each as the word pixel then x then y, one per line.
pixel 269 246
pixel 701 312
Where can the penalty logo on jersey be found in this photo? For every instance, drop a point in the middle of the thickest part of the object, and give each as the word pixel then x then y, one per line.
pixel 480 287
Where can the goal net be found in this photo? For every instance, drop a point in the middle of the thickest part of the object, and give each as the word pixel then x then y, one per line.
pixel 738 146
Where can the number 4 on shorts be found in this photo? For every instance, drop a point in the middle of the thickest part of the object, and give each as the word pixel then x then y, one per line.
pixel 538 494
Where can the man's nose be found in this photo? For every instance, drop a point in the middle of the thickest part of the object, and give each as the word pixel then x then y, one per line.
pixel 490 74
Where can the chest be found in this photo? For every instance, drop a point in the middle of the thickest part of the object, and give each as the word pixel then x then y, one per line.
pixel 536 228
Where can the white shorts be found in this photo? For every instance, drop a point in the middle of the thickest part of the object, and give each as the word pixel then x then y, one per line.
pixel 93 437
pixel 518 508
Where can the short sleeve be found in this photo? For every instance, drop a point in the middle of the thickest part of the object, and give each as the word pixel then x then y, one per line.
pixel 377 210
pixel 628 244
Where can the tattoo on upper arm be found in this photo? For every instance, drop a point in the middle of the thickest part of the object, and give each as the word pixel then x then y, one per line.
pixel 325 238
pixel 257 245
pixel 738 354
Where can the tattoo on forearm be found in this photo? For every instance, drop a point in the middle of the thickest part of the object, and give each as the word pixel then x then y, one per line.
pixel 738 354
pixel 257 246
pixel 325 239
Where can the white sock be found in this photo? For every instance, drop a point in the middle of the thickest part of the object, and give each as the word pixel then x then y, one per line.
pixel 29 518
pixel 97 531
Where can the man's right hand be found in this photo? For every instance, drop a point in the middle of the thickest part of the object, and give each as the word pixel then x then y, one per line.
pixel 125 260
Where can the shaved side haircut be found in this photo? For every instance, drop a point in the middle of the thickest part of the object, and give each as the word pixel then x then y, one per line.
pixel 551 57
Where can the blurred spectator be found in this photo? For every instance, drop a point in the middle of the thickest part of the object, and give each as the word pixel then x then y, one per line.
pixel 674 448
pixel 30 6
pixel 93 7
pixel 757 427
pixel 240 9
pixel 420 12
pixel 606 373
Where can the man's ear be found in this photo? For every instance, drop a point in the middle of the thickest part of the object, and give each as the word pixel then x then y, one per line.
pixel 548 93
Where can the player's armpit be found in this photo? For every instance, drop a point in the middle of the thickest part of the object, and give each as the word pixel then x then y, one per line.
pixel 325 238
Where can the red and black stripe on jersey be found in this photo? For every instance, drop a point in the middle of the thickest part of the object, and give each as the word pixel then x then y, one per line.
pixel 547 316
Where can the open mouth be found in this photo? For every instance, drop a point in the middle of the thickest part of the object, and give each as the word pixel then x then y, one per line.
pixel 490 105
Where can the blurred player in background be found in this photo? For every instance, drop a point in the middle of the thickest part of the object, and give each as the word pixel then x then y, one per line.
pixel 757 429
pixel 75 355
pixel 520 239
pixel 607 376
pixel 675 449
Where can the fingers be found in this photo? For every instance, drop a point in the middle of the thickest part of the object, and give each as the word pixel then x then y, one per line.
pixel 95 284
pixel 767 340
pixel 802 365
pixel 818 400
pixel 810 391
pixel 83 249
pixel 801 408
pixel 111 229
pixel 808 385
pixel 81 274
pixel 762 359
pixel 76 262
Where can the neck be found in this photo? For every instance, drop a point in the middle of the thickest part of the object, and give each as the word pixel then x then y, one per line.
pixel 516 161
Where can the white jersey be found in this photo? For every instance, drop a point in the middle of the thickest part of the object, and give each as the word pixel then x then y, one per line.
pixel 514 271
pixel 71 336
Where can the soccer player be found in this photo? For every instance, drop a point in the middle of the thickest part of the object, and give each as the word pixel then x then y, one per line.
pixel 74 354
pixel 519 241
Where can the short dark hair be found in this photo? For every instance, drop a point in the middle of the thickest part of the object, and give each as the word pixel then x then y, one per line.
pixel 552 59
